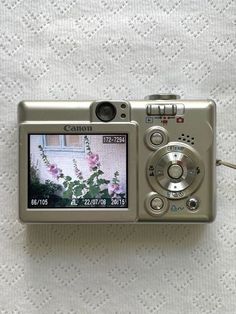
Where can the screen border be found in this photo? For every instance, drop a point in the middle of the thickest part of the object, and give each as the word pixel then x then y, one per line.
pixel 76 215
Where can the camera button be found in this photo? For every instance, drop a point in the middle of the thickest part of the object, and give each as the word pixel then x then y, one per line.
pixel 192 203
pixel 170 110
pixel 156 138
pixel 157 203
pixel 175 171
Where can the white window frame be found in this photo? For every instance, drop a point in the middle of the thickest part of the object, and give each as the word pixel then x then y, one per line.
pixel 62 147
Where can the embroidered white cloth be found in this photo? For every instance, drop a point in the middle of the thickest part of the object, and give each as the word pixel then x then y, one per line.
pixel 73 49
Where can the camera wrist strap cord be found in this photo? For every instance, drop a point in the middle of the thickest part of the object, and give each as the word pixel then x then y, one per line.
pixel 220 162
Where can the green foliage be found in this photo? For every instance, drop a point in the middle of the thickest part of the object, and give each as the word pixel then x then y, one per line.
pixel 115 179
pixel 102 181
pixel 104 194
pixel 47 191
pixel 93 191
pixel 90 188
pixel 78 189
pixel 33 171
pixel 43 190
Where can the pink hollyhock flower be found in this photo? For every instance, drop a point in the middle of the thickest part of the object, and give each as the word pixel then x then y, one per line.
pixel 114 189
pixel 54 170
pixel 93 161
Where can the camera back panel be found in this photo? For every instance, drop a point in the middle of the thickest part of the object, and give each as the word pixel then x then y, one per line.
pixel 155 160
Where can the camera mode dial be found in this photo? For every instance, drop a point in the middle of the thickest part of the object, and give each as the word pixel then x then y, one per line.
pixel 175 170
pixel 162 97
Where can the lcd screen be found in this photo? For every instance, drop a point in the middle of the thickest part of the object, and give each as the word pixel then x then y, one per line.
pixel 78 170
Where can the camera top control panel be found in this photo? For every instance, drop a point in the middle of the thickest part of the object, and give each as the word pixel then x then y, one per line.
pixel 142 161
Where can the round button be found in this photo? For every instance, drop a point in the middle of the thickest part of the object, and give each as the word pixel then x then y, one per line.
pixel 157 203
pixel 175 171
pixel 192 203
pixel 156 138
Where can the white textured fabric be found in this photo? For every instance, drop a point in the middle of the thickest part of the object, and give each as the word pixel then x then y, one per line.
pixel 71 49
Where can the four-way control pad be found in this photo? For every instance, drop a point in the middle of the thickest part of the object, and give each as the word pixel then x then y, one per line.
pixel 175 170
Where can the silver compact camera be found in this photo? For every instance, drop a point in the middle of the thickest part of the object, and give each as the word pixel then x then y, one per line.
pixel 113 161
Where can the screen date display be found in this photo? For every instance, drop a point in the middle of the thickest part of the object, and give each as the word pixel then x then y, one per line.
pixel 78 170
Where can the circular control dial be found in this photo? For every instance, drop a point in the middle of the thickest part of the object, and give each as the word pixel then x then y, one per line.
pixel 175 170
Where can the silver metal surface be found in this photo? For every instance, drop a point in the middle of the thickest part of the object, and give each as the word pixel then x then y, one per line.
pixel 192 170
pixel 161 109
pixel 185 177
pixel 152 171
pixel 77 214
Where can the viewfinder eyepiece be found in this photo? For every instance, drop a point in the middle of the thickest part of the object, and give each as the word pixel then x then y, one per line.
pixel 105 111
